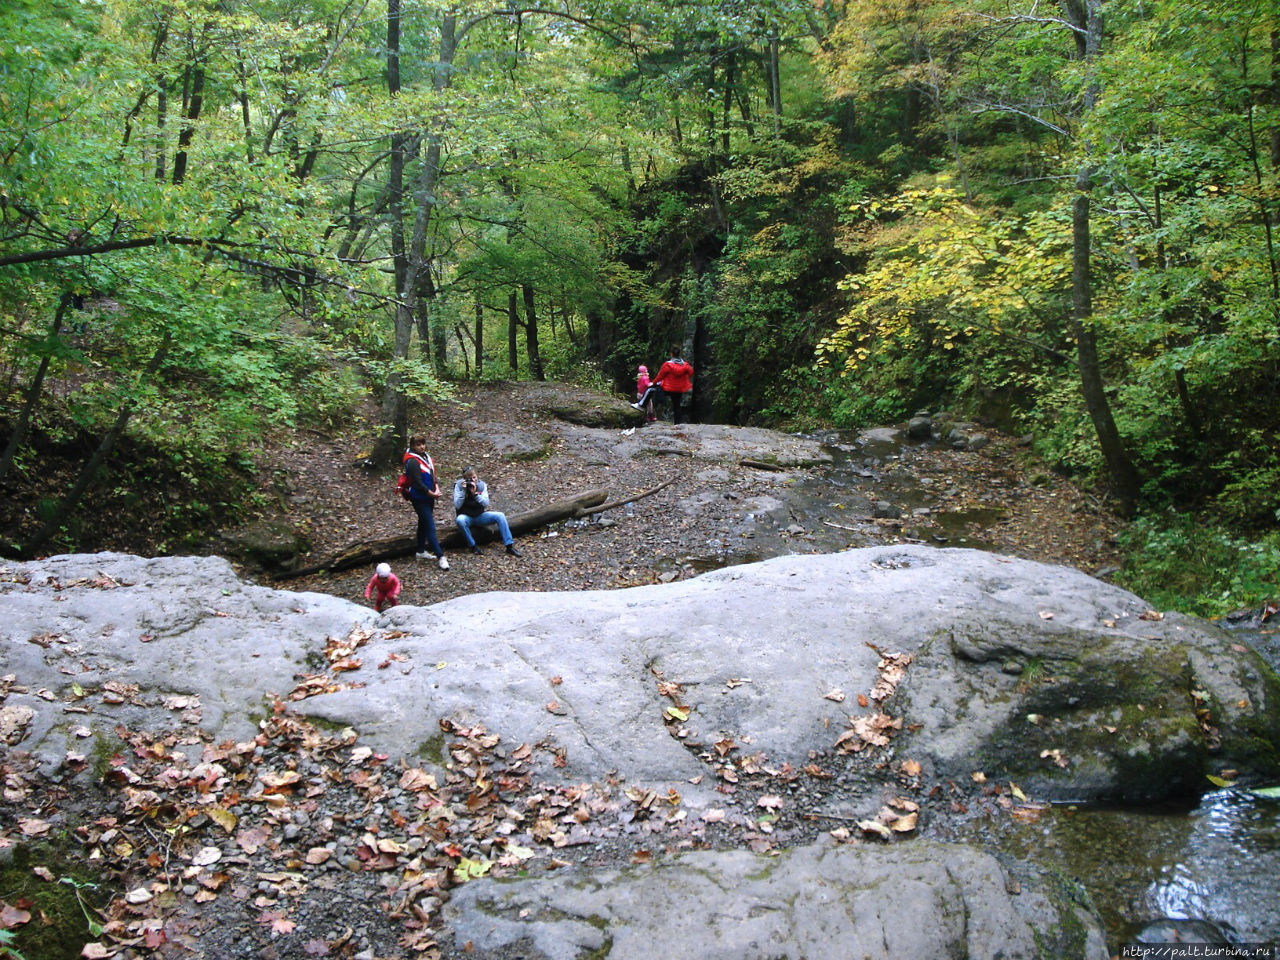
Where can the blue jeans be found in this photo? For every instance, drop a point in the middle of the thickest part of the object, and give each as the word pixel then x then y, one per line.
pixel 465 523
pixel 426 510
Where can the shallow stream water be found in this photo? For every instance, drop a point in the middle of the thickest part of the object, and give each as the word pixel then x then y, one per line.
pixel 1218 860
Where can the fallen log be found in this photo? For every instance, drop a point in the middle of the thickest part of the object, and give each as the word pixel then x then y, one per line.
pixel 630 498
pixel 763 465
pixel 390 548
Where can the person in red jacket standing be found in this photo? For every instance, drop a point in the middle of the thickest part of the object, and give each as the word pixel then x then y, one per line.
pixel 676 379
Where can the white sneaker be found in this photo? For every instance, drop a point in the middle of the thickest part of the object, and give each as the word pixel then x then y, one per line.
pixel 637 406
pixel 423 555
pixel 444 564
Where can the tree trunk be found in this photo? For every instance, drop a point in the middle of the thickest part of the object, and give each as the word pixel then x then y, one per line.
pixel 19 434
pixel 439 334
pixel 87 473
pixel 513 324
pixel 412 265
pixel 395 426
pixel 1124 476
pixel 246 117
pixel 479 337
pixel 531 333
pixel 162 113
pixel 185 136
pixel 775 84
pixel 1275 98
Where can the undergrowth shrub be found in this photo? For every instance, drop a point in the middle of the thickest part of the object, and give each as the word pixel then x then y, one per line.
pixel 1179 562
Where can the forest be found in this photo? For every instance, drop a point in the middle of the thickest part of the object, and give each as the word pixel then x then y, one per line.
pixel 222 218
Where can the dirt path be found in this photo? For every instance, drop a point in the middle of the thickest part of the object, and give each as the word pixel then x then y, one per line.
pixel 713 514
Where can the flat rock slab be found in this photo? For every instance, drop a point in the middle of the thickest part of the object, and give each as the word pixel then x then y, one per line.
pixel 925 899
pixel 703 442
pixel 772 656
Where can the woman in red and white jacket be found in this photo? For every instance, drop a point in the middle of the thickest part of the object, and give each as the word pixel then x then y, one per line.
pixel 424 491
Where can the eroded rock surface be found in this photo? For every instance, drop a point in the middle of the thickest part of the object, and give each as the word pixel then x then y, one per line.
pixel 1019 668
pixel 942 901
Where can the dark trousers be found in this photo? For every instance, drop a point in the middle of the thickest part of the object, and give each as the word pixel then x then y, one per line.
pixel 679 412
pixel 426 510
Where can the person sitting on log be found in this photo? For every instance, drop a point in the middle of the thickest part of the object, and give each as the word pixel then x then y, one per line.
pixel 471 501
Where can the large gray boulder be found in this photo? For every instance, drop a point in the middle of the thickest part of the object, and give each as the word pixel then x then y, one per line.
pixel 1118 708
pixel 771 655
pixel 941 901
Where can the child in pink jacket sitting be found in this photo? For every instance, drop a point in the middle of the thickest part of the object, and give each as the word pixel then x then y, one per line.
pixel 645 389
pixel 387 586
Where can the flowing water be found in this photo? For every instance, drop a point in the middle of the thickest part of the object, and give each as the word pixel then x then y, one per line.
pixel 1218 860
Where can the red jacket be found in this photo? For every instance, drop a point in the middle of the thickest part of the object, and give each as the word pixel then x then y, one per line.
pixel 676 376
pixel 385 588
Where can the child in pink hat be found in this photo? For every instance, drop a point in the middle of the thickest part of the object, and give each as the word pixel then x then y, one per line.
pixel 644 393
pixel 386 585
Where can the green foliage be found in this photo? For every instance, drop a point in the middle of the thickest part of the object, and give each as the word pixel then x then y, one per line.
pixel 8 951
pixel 1178 561
pixel 62 912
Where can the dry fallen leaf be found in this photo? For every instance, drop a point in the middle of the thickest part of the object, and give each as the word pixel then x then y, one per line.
pixel 222 817
pixel 714 815
pixel 415 779
pixel 1046 614
pixel 905 824
pixel 206 856
pixel 1017 792
pixel 11 916
pixel 876 827
pixel 978 776
pixel 252 838
pixel 911 768
pixel 1029 813
pixel 1054 755
pixel 282 926
pixel 837 695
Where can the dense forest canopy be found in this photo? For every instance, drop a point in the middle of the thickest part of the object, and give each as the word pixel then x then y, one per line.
pixel 218 218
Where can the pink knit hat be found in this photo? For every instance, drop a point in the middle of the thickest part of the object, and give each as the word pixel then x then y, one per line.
pixel 642 369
